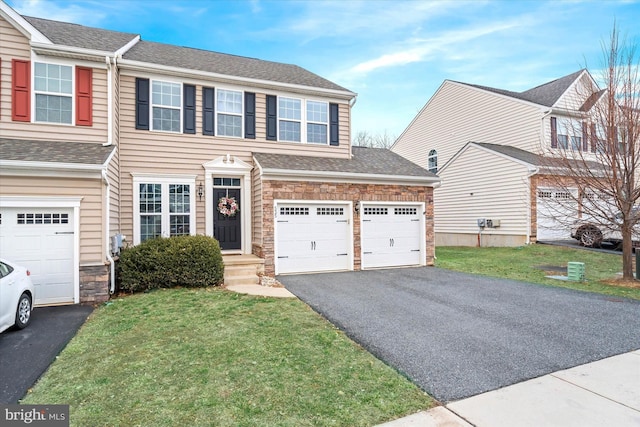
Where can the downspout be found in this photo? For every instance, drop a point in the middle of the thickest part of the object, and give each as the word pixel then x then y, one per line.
pixel 107 204
pixel 109 103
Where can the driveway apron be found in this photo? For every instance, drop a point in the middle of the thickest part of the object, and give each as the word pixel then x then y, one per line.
pixel 26 354
pixel 457 335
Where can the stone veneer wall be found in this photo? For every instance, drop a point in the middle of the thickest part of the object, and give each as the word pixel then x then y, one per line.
pixel 320 191
pixel 94 284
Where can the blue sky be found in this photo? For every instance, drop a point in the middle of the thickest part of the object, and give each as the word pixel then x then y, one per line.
pixel 394 54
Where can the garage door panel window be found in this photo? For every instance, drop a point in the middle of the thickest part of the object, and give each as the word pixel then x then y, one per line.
pixel 405 211
pixel 294 211
pixel 376 211
pixel 42 218
pixel 164 209
pixel 330 211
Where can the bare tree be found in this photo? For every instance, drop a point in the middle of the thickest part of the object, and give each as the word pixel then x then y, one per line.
pixel 601 157
pixel 379 140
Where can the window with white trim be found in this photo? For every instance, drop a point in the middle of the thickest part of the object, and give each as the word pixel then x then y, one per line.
pixel 53 89
pixel 166 106
pixel 317 122
pixel 229 113
pixel 432 161
pixel 163 208
pixel 569 134
pixel 289 119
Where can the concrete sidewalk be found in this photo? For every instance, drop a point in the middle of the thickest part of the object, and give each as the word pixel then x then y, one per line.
pixel 606 392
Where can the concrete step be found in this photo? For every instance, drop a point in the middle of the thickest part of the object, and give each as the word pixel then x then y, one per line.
pixel 242 280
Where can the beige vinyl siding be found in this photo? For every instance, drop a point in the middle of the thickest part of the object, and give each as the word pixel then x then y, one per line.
pixel 169 153
pixel 481 184
pixel 577 94
pixel 256 207
pixel 114 196
pixel 457 114
pixel 45 131
pixel 91 213
pixel 13 45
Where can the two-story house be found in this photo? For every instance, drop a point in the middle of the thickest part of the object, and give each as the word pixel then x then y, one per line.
pixel 494 151
pixel 103 134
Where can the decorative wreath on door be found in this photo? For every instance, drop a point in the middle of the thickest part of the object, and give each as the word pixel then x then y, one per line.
pixel 228 206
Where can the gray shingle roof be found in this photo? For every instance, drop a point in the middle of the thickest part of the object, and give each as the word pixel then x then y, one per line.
pixel 75 35
pixel 367 161
pixel 546 94
pixel 54 151
pixel 230 65
pixel 532 158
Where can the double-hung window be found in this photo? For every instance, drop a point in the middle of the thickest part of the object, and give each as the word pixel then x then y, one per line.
pixel 289 119
pixel 164 207
pixel 229 112
pixel 53 87
pixel 166 106
pixel 317 122
pixel 570 134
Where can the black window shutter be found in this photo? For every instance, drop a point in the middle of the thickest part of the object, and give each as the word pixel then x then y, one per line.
pixel 208 103
pixel 554 133
pixel 594 138
pixel 142 104
pixel 250 115
pixel 189 111
pixel 333 125
pixel 272 118
pixel 585 137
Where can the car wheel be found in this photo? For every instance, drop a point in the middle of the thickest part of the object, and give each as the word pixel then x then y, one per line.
pixel 23 312
pixel 591 237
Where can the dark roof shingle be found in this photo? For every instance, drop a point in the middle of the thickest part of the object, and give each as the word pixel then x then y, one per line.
pixel 367 161
pixel 225 64
pixel 535 159
pixel 66 34
pixel 54 151
pixel 546 94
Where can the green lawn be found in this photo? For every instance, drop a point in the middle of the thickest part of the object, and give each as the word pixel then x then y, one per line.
pixel 209 357
pixel 525 262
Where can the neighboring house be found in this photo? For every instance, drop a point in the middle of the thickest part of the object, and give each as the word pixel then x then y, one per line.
pixel 493 149
pixel 103 134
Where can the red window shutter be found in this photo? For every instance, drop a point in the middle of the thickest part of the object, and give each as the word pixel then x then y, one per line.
pixel 20 90
pixel 84 96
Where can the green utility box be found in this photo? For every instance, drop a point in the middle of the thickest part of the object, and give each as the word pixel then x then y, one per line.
pixel 575 271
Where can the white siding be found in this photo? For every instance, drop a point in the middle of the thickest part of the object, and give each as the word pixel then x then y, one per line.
pixel 457 114
pixel 482 184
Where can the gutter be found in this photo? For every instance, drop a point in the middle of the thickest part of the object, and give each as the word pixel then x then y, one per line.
pixel 147 67
pixel 354 177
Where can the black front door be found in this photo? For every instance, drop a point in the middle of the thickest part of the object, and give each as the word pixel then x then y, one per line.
pixel 226 228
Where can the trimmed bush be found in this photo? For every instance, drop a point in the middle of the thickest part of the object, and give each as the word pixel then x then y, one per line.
pixel 185 261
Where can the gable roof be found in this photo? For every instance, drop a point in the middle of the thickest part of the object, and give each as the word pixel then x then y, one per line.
pixel 546 94
pixel 65 152
pixel 225 64
pixel 74 35
pixel 369 163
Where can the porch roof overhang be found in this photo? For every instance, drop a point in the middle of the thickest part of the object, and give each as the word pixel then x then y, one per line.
pixel 366 166
pixel 54 158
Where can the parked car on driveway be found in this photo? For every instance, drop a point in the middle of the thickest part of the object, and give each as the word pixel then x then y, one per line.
pixel 16 295
pixel 592 234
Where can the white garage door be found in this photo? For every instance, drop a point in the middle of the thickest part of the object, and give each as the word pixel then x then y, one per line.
pixel 41 240
pixel 312 237
pixel 392 236
pixel 556 210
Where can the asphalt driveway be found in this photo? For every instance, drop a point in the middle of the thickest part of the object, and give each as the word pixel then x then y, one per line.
pixel 457 335
pixel 26 354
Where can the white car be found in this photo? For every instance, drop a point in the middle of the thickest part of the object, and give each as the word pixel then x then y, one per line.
pixel 16 295
pixel 592 234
